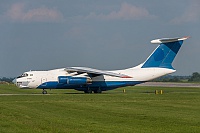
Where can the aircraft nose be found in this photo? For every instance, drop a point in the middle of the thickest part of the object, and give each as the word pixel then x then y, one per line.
pixel 14 81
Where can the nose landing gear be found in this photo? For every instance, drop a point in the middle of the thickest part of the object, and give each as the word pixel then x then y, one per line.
pixel 44 91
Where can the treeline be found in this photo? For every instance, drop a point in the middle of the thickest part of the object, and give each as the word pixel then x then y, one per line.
pixel 8 80
pixel 168 78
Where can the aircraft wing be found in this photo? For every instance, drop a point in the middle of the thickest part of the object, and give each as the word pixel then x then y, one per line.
pixel 91 71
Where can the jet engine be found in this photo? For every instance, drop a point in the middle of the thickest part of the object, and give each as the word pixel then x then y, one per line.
pixel 74 80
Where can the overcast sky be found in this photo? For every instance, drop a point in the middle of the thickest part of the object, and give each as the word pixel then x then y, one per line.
pixel 103 34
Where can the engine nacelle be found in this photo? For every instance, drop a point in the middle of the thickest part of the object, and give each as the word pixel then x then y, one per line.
pixel 73 80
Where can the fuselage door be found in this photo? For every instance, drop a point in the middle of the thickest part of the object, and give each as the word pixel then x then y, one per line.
pixel 43 80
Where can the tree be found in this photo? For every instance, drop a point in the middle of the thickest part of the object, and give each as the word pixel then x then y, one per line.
pixel 9 80
pixel 195 77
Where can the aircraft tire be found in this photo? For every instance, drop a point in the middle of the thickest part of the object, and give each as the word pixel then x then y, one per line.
pixel 98 91
pixel 44 92
pixel 88 91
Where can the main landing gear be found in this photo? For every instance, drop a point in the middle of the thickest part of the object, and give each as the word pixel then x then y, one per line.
pixel 98 91
pixel 89 91
pixel 44 91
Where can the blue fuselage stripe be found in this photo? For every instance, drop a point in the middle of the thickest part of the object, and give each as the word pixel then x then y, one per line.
pixel 95 84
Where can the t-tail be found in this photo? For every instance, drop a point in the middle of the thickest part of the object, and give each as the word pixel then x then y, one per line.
pixel 164 54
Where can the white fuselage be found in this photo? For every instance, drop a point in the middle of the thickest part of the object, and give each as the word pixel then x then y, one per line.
pixel 33 79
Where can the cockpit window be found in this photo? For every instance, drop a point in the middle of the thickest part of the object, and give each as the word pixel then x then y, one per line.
pixel 23 75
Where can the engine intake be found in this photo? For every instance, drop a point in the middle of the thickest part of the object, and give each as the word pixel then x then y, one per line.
pixel 74 80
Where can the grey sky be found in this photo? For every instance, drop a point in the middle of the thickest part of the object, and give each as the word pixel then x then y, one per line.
pixel 114 34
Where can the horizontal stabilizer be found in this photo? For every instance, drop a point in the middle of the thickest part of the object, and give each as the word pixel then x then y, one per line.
pixel 167 40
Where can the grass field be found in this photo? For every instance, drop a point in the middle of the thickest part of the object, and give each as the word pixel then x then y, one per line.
pixel 138 110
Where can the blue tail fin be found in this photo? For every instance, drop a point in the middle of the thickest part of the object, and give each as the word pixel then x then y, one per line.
pixel 165 53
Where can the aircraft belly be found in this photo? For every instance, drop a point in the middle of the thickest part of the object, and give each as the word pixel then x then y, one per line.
pixel 106 85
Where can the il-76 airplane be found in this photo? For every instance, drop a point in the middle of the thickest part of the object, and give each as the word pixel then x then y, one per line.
pixel 89 80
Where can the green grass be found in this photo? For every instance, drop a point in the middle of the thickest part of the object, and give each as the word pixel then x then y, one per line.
pixel 138 110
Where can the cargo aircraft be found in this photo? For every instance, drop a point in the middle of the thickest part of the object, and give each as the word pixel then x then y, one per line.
pixel 89 80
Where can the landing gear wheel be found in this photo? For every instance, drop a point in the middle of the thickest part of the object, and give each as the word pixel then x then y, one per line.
pixel 44 92
pixel 88 91
pixel 98 90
